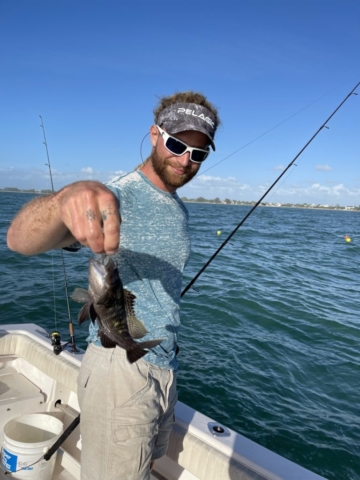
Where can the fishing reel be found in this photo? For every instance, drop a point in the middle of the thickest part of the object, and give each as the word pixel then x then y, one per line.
pixel 56 342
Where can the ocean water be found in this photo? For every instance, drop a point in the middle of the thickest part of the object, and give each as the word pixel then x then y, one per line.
pixel 270 334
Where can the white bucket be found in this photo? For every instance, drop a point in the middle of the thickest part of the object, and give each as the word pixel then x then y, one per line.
pixel 26 439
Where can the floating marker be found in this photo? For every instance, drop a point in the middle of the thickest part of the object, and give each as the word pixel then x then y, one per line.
pixel 347 239
pixel 218 232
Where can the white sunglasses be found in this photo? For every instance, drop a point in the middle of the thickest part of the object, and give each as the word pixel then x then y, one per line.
pixel 178 147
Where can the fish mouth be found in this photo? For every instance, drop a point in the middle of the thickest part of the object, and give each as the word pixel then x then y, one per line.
pixel 98 267
pixel 103 275
pixel 97 274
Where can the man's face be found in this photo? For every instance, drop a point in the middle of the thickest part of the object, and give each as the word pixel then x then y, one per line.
pixel 173 171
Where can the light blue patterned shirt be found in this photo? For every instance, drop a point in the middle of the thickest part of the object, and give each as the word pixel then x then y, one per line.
pixel 154 249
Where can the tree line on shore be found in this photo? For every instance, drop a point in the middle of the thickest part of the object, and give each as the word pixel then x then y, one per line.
pixel 227 201
pixel 22 190
pixel 216 200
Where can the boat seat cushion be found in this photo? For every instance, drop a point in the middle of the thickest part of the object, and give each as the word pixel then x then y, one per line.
pixel 55 366
pixel 204 461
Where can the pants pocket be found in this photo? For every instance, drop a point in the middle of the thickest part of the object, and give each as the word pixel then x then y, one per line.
pixel 82 382
pixel 133 436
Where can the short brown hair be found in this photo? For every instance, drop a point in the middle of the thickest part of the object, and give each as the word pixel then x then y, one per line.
pixel 186 97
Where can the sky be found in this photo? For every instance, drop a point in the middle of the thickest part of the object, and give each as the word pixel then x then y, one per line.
pixel 94 71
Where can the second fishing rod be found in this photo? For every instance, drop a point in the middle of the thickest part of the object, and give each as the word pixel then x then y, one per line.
pixel 55 336
pixel 191 283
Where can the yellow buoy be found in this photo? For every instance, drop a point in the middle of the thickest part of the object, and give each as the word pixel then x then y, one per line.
pixel 347 239
pixel 218 232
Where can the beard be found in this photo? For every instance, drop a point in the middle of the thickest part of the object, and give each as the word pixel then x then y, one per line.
pixel 160 166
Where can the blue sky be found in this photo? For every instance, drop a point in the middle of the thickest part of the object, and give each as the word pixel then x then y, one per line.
pixel 94 71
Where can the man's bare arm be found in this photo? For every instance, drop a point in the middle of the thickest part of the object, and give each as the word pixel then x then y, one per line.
pixel 87 212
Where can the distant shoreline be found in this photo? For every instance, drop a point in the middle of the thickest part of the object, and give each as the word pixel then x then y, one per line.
pixel 340 209
pixel 20 191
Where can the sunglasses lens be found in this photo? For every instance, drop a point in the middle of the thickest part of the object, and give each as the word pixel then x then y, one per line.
pixel 176 147
pixel 198 156
pixel 179 148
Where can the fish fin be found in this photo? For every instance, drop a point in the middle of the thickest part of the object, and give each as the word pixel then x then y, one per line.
pixel 80 295
pixel 129 299
pixel 105 341
pixel 151 343
pixel 84 314
pixel 87 312
pixel 142 349
pixel 136 327
pixel 92 313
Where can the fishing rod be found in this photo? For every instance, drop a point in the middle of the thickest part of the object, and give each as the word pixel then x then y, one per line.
pixel 55 336
pixel 191 283
pixel 56 342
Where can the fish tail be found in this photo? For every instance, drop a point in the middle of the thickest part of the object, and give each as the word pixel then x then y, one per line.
pixel 135 354
pixel 142 349
pixel 105 341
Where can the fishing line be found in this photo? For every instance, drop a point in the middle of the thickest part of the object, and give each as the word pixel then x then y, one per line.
pixel 141 144
pixel 53 275
pixel 252 141
pixel 267 191
pixel 267 131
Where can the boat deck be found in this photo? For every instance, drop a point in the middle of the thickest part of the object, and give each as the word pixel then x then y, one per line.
pixel 33 379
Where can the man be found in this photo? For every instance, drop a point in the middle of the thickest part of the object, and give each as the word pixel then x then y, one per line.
pixel 127 409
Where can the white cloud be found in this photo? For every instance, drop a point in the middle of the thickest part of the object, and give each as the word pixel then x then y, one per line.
pixel 206 186
pixel 39 179
pixel 211 187
pixel 323 168
pixel 87 170
pixel 228 187
pixel 320 193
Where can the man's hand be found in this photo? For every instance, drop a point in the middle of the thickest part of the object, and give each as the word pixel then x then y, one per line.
pixel 87 212
pixel 90 211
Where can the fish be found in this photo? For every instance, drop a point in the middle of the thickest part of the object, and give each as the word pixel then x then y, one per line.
pixel 108 302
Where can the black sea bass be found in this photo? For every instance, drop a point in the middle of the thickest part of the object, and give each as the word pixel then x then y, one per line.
pixel 107 301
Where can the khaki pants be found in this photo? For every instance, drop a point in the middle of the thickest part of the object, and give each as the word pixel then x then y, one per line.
pixel 127 412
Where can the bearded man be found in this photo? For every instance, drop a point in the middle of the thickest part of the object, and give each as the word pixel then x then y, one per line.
pixel 127 409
